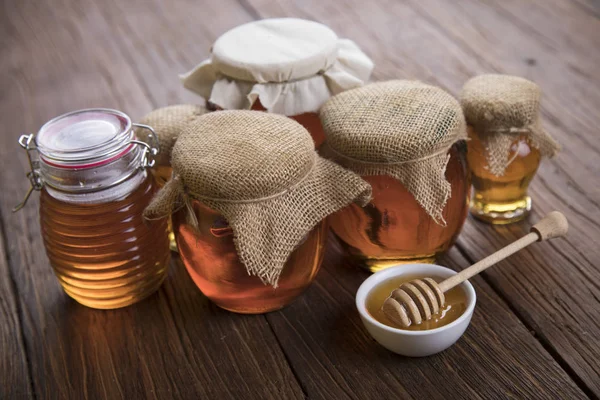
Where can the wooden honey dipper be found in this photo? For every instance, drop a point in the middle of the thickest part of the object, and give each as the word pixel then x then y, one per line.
pixel 421 299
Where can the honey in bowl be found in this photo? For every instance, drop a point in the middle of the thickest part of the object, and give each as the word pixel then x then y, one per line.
pixel 455 304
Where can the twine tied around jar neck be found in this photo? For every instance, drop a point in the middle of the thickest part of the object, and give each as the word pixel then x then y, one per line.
pixel 502 108
pixel 424 178
pixel 403 129
pixel 498 145
pixel 176 194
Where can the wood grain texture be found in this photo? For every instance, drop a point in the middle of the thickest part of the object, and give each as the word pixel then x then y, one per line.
pixel 334 356
pixel 175 344
pixel 62 55
pixel 555 44
pixel 15 380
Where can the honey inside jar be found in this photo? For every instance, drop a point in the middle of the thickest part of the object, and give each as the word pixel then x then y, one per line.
pixel 92 173
pixel 454 307
pixel 502 199
pixel 162 173
pixel 394 228
pixel 104 254
pixel 210 256
pixel 507 142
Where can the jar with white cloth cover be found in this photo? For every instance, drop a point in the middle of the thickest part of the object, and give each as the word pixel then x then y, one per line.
pixel 286 66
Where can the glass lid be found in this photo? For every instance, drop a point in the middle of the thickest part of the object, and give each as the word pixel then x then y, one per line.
pixel 84 136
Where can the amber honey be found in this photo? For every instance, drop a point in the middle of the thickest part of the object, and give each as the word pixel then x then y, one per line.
pixel 502 199
pixel 104 254
pixel 211 259
pixel 455 306
pixel 393 228
pixel 162 174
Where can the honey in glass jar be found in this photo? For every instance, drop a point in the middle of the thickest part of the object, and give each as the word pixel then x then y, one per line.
pixel 287 66
pixel 383 233
pixel 168 122
pixel 250 196
pixel 407 140
pixel 91 170
pixel 502 199
pixel 208 251
pixel 506 145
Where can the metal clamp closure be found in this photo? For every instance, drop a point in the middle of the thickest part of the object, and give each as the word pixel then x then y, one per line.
pixel 150 151
pixel 36 183
pixel 28 143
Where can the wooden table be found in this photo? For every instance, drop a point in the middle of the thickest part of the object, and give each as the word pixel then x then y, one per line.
pixel 536 327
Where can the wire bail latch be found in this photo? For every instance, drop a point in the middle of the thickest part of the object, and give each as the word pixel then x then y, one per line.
pixel 28 143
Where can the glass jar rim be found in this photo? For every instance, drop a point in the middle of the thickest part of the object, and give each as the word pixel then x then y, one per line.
pixel 85 138
pixel 63 145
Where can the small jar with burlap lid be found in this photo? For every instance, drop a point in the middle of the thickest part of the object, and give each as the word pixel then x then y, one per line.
pixel 406 139
pixel 507 143
pixel 168 122
pixel 250 197
pixel 287 66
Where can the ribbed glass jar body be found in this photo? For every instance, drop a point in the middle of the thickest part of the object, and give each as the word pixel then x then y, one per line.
pixel 94 188
pixel 103 253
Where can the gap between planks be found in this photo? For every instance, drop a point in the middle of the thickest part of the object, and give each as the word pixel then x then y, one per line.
pixel 546 344
pixel 255 15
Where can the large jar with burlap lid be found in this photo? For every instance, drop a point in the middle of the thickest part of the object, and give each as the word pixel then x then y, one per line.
pixel 287 66
pixel 406 139
pixel 506 146
pixel 168 122
pixel 250 197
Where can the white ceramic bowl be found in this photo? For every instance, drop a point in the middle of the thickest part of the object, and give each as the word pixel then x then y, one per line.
pixel 414 343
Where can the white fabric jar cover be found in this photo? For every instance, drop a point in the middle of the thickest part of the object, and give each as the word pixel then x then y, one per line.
pixel 292 65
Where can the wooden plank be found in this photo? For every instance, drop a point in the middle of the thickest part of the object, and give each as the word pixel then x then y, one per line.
pixel 175 344
pixel 446 43
pixel 15 380
pixel 497 357
pixel 133 59
pixel 556 293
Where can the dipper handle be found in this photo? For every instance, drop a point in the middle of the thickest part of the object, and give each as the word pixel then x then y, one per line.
pixel 552 225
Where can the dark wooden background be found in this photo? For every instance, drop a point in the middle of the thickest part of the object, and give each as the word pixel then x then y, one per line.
pixel 536 327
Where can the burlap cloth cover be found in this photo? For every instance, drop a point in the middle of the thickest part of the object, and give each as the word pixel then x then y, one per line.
pixel 501 108
pixel 399 128
pixel 261 172
pixel 168 123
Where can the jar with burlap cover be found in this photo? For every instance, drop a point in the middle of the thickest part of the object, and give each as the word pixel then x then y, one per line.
pixel 261 172
pixel 168 122
pixel 398 128
pixel 501 108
